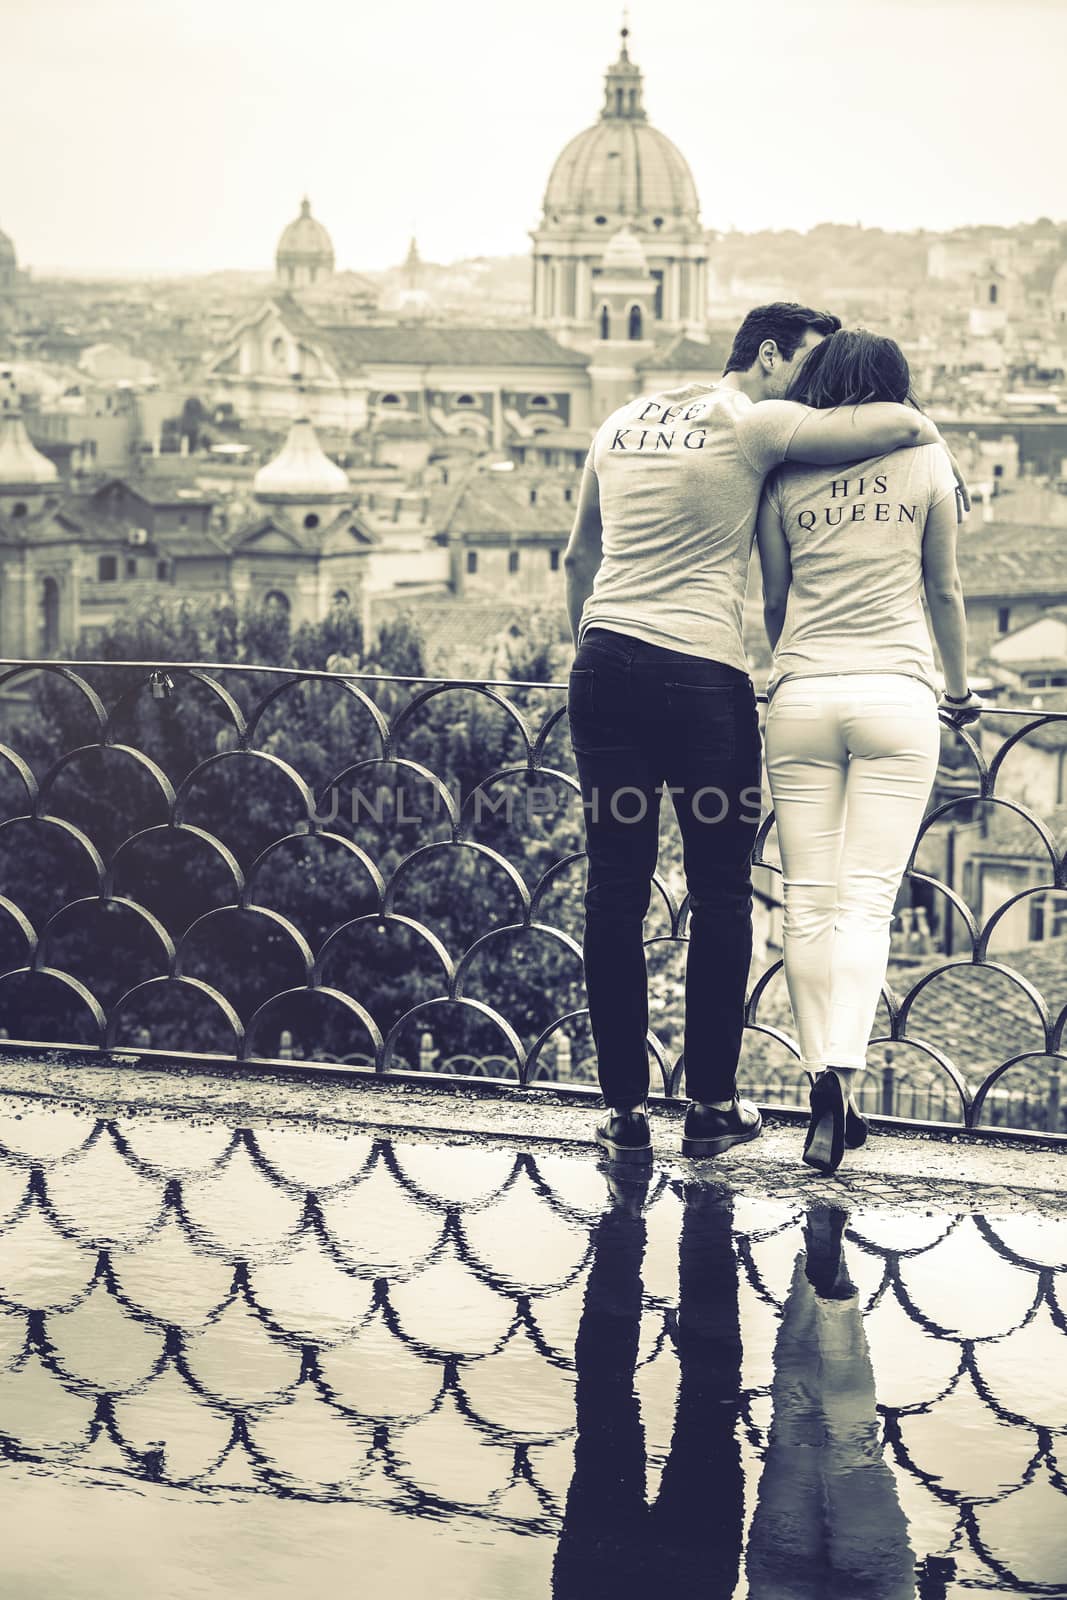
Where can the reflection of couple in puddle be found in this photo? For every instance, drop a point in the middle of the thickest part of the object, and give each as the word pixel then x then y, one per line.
pixel 827 1523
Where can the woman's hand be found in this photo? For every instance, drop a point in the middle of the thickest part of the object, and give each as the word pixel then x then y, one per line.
pixel 961 712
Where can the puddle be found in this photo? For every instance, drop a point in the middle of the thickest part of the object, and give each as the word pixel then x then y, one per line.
pixel 256 1362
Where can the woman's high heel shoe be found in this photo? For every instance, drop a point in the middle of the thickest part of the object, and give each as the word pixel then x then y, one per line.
pixel 856 1128
pixel 825 1142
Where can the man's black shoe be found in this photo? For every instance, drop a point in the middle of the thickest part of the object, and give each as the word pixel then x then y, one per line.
pixel 626 1138
pixel 628 1190
pixel 709 1132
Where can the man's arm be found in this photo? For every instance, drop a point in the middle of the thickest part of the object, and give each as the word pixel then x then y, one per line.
pixel 776 568
pixel 856 433
pixel 585 551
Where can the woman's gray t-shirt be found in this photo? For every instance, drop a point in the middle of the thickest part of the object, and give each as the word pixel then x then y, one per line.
pixel 855 536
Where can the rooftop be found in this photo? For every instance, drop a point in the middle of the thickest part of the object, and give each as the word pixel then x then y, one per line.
pixel 1006 560
pixel 512 505
pixel 447 346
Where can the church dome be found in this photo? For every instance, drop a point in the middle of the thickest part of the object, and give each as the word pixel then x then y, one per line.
pixel 624 254
pixel 22 466
pixel 621 169
pixel 301 471
pixel 305 242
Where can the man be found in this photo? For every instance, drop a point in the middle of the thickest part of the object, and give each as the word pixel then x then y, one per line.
pixel 660 695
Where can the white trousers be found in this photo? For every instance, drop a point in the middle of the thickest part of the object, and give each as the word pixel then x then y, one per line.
pixel 850 761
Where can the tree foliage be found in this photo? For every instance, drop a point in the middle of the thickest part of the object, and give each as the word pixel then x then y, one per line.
pixel 247 889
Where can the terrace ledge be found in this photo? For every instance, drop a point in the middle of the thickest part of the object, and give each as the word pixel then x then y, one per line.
pixel 909 1167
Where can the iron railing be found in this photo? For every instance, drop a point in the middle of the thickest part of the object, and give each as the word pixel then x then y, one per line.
pixel 328 1316
pixel 252 864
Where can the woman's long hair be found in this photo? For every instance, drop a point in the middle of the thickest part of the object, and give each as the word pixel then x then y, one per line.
pixel 850 368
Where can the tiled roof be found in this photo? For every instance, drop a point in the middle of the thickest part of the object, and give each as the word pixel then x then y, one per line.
pixel 977 1017
pixel 190 543
pixel 355 348
pixel 682 354
pixel 163 494
pixel 1008 834
pixel 1012 559
pixel 980 1018
pixel 75 521
pixel 295 317
pixel 498 503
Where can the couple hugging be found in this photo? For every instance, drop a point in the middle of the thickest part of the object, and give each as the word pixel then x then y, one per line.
pixel 813 442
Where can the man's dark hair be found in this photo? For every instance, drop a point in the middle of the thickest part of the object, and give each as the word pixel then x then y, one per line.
pixel 785 322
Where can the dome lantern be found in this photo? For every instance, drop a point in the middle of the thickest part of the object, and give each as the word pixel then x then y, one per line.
pixel 623 87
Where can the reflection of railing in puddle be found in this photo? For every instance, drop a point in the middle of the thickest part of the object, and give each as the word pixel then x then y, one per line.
pixel 333 1317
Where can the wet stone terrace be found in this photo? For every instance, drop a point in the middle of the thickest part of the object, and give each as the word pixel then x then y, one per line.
pixel 245 1348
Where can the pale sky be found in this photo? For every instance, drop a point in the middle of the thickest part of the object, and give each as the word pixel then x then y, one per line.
pixel 156 135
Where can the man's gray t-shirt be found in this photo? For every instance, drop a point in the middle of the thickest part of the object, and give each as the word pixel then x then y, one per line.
pixel 679 476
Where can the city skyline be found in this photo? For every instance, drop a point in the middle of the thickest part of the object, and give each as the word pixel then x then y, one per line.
pixel 948 110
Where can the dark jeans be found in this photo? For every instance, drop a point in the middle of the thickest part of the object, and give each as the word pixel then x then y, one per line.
pixel 642 717
pixel 688 1541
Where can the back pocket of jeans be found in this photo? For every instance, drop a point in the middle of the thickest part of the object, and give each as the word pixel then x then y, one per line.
pixel 708 714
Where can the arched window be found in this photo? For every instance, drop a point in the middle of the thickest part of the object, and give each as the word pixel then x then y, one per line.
pixel 540 400
pixel 19 508
pixel 49 616
pixel 992 294
pixel 605 323
pixel 466 400
pixel 389 400
pixel 276 603
pixel 341 598
pixel 635 322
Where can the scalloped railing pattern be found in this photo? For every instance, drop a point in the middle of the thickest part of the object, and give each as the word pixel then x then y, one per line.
pixel 544 886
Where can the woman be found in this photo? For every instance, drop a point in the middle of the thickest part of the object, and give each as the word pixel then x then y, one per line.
pixel 852 732
pixel 828 1519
